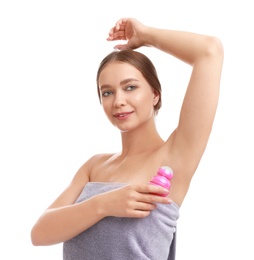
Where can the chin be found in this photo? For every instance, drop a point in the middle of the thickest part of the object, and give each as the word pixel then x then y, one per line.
pixel 127 129
pixel 124 129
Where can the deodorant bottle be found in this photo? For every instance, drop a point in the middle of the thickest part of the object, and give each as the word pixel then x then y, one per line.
pixel 163 177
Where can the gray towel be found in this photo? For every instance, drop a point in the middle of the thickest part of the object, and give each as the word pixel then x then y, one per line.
pixel 115 238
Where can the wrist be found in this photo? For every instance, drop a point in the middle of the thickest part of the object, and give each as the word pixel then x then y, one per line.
pixel 147 36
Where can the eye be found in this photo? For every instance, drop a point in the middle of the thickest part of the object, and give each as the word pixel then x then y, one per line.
pixel 106 93
pixel 129 88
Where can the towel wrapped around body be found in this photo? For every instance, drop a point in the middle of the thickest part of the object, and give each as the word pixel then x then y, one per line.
pixel 115 238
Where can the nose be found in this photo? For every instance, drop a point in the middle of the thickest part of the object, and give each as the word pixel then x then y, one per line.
pixel 119 100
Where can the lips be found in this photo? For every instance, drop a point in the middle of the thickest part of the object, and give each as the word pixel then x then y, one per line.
pixel 122 115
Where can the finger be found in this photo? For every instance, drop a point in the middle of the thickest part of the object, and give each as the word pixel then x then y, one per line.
pixel 141 210
pixel 151 189
pixel 153 198
pixel 119 27
pixel 150 197
pixel 121 23
pixel 145 206
pixel 139 213
pixel 117 36
pixel 121 47
pixel 112 31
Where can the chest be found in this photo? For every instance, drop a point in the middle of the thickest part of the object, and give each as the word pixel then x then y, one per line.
pixel 134 170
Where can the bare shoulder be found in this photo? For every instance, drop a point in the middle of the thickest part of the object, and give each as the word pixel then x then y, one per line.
pixel 100 158
pixel 78 182
pixel 83 174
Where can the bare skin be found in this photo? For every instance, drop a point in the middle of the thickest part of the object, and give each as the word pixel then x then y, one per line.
pixel 128 102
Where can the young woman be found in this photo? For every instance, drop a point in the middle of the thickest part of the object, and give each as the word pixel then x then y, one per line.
pixel 109 210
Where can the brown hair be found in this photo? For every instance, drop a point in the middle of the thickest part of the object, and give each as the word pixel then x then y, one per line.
pixel 140 62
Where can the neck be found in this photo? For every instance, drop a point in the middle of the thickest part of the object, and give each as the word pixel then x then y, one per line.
pixel 144 139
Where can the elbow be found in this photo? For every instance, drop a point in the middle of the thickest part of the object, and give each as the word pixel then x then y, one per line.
pixel 35 238
pixel 42 237
pixel 214 48
pixel 211 49
pixel 35 242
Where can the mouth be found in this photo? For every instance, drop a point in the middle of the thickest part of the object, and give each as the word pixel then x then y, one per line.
pixel 123 115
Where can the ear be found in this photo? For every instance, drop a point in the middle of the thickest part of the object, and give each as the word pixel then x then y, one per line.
pixel 156 97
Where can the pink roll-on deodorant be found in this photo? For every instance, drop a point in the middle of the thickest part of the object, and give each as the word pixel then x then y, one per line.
pixel 163 177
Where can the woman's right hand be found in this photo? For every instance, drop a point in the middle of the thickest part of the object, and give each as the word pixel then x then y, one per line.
pixel 136 201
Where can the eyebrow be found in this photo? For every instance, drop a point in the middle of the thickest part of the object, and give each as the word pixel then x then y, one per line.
pixel 123 82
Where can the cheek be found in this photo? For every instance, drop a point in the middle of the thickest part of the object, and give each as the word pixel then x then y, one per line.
pixel 143 99
pixel 105 106
pixel 108 108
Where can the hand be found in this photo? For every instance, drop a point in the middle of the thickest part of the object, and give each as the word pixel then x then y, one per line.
pixel 135 201
pixel 127 29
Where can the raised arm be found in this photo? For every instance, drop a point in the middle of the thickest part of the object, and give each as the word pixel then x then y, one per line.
pixel 205 54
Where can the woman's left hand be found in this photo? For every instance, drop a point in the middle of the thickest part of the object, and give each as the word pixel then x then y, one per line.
pixel 128 29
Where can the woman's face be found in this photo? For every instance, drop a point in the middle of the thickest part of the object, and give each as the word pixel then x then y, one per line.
pixel 127 99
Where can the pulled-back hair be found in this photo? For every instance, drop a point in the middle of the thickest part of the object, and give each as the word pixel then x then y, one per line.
pixel 140 62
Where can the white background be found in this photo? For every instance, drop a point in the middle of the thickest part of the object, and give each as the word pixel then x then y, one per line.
pixel 51 121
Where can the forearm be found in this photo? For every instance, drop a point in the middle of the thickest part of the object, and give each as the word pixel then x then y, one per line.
pixel 60 224
pixel 186 46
